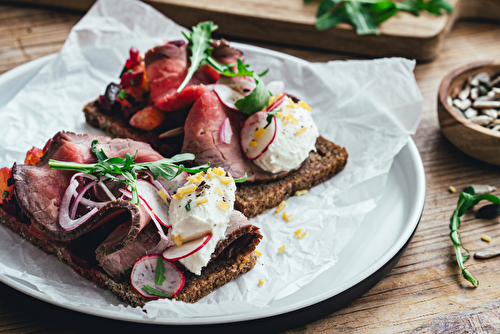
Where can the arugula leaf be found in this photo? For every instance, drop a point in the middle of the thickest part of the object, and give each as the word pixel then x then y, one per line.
pixel 154 292
pixel 254 101
pixel 101 156
pixel 270 116
pixel 199 44
pixel 160 271
pixel 367 15
pixel 241 179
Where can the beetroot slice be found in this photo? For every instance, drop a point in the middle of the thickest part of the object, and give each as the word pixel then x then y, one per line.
pixel 175 253
pixel 247 135
pixel 144 273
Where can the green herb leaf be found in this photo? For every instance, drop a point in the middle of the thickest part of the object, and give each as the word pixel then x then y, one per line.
pixel 199 44
pixel 101 156
pixel 10 181
pixel 270 116
pixel 254 101
pixel 154 292
pixel 241 179
pixel 5 194
pixel 121 95
pixel 188 207
pixel 160 271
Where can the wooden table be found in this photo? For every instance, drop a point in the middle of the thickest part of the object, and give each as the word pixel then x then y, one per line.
pixel 426 283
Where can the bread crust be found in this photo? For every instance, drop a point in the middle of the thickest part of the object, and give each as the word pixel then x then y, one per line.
pixel 254 198
pixel 218 273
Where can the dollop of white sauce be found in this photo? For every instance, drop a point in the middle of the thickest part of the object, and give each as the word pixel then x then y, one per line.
pixel 288 150
pixel 201 219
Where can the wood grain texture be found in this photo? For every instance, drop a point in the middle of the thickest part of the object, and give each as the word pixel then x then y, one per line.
pixel 426 283
pixel 292 22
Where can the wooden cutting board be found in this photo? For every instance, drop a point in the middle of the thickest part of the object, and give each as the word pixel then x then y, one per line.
pixel 291 22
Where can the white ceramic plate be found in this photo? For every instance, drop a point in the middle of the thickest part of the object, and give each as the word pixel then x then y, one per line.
pixel 371 254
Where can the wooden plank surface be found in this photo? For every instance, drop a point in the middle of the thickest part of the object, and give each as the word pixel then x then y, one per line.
pixel 292 22
pixel 426 283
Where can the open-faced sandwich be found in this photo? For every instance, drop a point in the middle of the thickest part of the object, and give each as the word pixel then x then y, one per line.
pixel 128 219
pixel 200 97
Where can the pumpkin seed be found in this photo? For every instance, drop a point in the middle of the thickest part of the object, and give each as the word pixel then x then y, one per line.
pixel 481 189
pixel 487 254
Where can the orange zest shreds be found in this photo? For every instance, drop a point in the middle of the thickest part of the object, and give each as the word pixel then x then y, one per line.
pixel 281 249
pixel 273 99
pixel 258 253
pixel 304 105
pixel 259 133
pixel 33 156
pixel 6 184
pixel 201 200
pixel 218 171
pixel 280 207
pixel 178 196
pixel 210 174
pixel 299 231
pixel 223 205
pixel 486 237
pixel 163 194
pixel 252 143
pixel 292 104
pixel 226 179
pixel 261 282
pixel 300 131
pixel 186 189
pixel 300 236
pixel 288 218
pixel 301 192
pixel 178 240
pixel 218 191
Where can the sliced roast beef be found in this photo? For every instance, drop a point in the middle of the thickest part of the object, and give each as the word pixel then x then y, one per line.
pixel 224 53
pixel 40 189
pixel 202 138
pixel 117 262
pixel 166 68
pixel 241 238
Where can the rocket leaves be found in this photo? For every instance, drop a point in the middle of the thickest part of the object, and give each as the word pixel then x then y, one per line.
pixel 367 15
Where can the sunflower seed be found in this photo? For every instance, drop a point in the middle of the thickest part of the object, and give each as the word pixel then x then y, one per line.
pixel 460 113
pixel 470 112
pixel 482 76
pixel 488 211
pixel 483 104
pixel 490 112
pixel 487 254
pixel 481 189
pixel 474 93
pixel 462 105
pixel 450 101
pixel 464 94
pixel 481 120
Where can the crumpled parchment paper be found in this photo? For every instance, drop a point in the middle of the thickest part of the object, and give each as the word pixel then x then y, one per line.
pixel 370 107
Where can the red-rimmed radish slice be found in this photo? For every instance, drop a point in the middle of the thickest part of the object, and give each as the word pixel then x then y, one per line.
pixel 175 253
pixel 144 273
pixel 244 85
pixel 276 103
pixel 64 219
pixel 225 131
pixel 276 87
pixel 227 95
pixel 175 183
pixel 250 127
pixel 154 203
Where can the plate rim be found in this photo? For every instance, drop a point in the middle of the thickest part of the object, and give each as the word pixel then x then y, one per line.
pixel 264 313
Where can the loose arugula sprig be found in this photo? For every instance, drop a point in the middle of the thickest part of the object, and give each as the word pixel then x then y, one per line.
pixel 467 199
pixel 200 40
pixel 367 15
pixel 109 167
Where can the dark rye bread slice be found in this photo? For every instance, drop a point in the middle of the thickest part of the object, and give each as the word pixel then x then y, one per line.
pixel 218 273
pixel 253 198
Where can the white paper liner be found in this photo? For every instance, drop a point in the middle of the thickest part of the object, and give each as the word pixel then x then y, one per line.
pixel 370 107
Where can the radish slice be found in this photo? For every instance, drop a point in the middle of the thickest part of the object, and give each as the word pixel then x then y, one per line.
pixel 250 127
pixel 175 253
pixel 144 273
pixel 228 96
pixel 158 184
pixel 276 87
pixel 153 202
pixel 276 103
pixel 64 220
pixel 243 85
pixel 225 131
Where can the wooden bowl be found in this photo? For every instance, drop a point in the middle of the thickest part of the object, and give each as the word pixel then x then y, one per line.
pixel 474 140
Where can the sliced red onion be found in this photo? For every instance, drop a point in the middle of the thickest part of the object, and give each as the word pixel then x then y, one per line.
pixel 78 198
pixel 106 189
pixel 64 220
pixel 226 132
pixel 276 87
